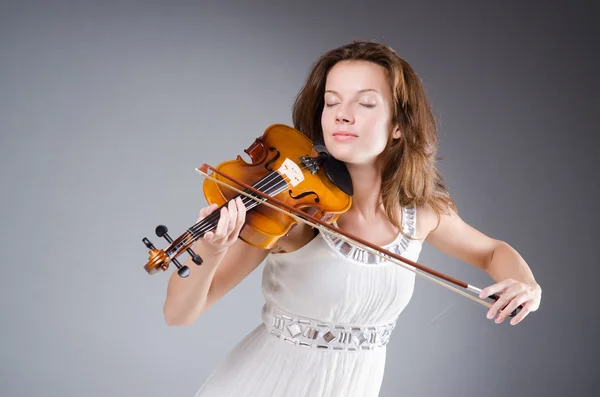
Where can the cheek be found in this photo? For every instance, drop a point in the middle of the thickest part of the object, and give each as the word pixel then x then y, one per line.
pixel 326 116
pixel 375 126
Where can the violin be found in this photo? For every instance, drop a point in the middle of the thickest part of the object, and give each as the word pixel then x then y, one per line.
pixel 289 180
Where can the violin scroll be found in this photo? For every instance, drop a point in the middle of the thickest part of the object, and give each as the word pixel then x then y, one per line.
pixel 159 260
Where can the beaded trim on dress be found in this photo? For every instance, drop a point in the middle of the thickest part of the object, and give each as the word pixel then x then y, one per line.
pixel 359 254
pixel 315 334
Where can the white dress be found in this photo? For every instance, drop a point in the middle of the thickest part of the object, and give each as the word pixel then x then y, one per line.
pixel 330 309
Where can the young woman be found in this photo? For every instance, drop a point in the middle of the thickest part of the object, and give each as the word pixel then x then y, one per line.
pixel 330 310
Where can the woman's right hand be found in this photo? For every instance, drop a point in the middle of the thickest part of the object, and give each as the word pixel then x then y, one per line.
pixel 232 218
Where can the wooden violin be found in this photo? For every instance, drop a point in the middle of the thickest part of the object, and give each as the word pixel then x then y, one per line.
pixel 290 179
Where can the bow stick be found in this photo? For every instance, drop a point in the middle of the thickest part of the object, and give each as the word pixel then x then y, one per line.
pixel 327 228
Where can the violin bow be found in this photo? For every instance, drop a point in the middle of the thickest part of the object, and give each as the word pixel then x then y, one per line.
pixel 374 249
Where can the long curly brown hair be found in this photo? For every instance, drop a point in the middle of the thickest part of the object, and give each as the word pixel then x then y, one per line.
pixel 410 176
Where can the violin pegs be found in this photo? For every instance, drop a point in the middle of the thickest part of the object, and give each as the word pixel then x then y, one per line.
pixel 162 231
pixel 195 257
pixel 183 272
pixel 148 243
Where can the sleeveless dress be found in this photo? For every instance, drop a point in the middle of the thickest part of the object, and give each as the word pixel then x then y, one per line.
pixel 330 309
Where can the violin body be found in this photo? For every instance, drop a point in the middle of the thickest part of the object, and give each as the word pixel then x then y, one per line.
pixel 316 194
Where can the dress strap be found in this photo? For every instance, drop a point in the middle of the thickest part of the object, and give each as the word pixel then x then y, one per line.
pixel 398 246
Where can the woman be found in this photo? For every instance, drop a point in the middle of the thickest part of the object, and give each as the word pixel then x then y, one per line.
pixel 329 310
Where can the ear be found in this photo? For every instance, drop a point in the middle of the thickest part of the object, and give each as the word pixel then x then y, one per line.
pixel 396 133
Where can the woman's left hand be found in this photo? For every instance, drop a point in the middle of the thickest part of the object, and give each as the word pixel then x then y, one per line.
pixel 513 294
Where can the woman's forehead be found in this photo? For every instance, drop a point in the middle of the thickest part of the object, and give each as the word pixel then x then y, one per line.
pixel 357 77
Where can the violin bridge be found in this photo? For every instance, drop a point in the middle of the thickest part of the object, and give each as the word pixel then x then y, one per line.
pixel 291 171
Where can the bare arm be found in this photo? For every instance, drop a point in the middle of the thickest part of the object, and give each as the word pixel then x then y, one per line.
pixel 227 261
pixel 497 258
pixel 456 238
pixel 187 298
pixel 514 279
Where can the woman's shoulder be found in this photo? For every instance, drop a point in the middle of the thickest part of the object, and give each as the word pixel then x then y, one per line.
pixel 427 220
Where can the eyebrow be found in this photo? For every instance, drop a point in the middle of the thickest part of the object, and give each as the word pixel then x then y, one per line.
pixel 360 91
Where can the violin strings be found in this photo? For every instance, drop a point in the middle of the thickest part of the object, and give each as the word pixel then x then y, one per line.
pixel 211 220
pixel 251 204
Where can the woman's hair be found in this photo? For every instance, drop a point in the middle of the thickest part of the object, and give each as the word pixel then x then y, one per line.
pixel 409 174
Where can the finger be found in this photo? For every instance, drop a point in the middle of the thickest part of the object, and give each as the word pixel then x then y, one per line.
pixel 496 288
pixel 241 211
pixel 208 236
pixel 205 211
pixel 232 218
pixel 221 225
pixel 240 220
pixel 519 317
pixel 518 300
pixel 234 221
pixel 504 299
pixel 202 214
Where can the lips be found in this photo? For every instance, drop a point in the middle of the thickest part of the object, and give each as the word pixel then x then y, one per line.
pixel 344 136
pixel 344 133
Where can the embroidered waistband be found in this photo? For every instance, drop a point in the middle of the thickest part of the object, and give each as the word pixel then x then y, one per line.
pixel 310 333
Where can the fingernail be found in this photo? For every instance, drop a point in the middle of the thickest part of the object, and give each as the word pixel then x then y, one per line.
pixel 490 315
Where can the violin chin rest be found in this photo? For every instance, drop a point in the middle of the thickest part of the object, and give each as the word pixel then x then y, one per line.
pixel 336 171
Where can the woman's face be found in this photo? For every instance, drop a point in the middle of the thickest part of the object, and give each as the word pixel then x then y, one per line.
pixel 356 118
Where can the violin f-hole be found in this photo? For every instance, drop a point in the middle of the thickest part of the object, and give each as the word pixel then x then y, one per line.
pixel 303 195
pixel 268 163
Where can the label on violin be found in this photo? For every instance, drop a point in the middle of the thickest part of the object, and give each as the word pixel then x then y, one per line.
pixel 292 172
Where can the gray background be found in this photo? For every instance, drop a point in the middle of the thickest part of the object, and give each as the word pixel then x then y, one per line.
pixel 106 109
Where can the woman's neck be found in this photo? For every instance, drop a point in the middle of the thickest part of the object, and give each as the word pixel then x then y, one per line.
pixel 366 200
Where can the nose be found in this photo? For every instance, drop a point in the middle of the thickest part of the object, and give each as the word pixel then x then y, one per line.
pixel 343 115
